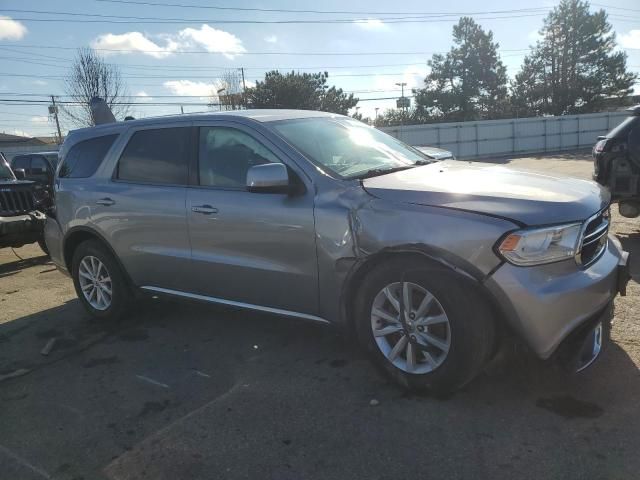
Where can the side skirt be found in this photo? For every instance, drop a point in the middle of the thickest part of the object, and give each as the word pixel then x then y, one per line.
pixel 222 301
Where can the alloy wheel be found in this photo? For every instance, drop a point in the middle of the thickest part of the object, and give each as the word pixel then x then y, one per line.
pixel 95 282
pixel 420 342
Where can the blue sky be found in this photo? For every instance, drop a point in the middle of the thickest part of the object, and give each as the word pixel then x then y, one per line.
pixel 162 61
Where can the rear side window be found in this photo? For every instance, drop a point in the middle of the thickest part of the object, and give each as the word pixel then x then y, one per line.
pixel 156 156
pixel 85 157
pixel 38 165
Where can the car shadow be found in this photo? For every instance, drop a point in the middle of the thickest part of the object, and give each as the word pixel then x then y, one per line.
pixel 10 268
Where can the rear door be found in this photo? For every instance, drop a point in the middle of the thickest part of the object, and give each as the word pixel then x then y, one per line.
pixel 252 248
pixel 141 208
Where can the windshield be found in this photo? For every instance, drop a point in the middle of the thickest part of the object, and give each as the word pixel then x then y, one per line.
pixel 348 148
pixel 5 171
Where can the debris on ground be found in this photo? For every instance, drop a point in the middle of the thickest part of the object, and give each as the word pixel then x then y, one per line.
pixel 46 350
pixel 374 402
pixel 16 373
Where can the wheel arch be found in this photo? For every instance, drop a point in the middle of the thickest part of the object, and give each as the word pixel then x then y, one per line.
pixel 361 268
pixel 78 235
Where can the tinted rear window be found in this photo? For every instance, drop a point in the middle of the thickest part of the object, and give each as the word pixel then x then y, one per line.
pixel 156 156
pixel 85 157
pixel 623 129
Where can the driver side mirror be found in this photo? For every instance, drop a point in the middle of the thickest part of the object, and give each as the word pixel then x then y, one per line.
pixel 20 173
pixel 268 178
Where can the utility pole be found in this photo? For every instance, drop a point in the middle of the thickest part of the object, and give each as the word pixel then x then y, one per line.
pixel 182 109
pixel 376 109
pixel 402 103
pixel 244 89
pixel 55 115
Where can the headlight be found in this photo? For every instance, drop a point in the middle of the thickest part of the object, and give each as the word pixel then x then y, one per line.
pixel 541 245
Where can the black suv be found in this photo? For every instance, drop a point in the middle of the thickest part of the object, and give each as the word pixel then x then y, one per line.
pixel 21 204
pixel 617 163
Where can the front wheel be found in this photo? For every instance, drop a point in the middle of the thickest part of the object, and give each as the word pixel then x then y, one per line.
pixel 426 326
pixel 99 281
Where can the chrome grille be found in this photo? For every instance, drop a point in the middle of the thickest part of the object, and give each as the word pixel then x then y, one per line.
pixel 15 202
pixel 594 238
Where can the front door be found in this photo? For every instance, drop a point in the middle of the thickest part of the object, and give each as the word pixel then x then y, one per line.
pixel 252 248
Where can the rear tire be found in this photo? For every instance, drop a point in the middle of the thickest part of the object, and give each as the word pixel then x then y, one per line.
pixel 449 341
pixel 100 283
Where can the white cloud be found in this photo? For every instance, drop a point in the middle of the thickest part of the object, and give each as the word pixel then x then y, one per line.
pixel 631 39
pixel 11 29
pixel 132 42
pixel 271 39
pixel 143 96
pixel 372 24
pixel 213 40
pixel 166 44
pixel 40 119
pixel 188 87
pixel 39 82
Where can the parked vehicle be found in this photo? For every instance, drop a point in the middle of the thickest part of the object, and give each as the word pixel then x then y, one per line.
pixel 21 219
pixel 319 217
pixel 617 163
pixel 436 153
pixel 39 167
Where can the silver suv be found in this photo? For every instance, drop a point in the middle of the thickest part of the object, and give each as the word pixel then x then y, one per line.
pixel 322 218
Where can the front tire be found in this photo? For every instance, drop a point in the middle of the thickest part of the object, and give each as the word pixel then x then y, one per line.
pixel 99 281
pixel 447 334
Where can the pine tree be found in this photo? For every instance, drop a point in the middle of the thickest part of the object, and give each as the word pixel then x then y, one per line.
pixel 469 82
pixel 574 68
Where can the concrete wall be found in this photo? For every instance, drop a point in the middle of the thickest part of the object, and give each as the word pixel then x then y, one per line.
pixel 512 136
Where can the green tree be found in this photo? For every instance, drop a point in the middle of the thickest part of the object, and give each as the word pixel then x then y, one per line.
pixel 305 91
pixel 469 82
pixel 574 68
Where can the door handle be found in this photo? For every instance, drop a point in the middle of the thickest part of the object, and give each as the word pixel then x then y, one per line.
pixel 107 202
pixel 204 209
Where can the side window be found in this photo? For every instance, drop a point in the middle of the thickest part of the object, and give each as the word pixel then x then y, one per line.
pixel 225 156
pixel 38 165
pixel 85 157
pixel 156 156
pixel 21 162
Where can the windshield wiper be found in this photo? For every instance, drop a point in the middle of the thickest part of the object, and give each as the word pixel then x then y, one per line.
pixel 375 172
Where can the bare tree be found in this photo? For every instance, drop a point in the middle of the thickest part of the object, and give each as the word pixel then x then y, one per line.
pixel 92 77
pixel 229 92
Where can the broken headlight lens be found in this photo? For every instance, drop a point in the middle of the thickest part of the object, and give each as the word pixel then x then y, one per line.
pixel 541 245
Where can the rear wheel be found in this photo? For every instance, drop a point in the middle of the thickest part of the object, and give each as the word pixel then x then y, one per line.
pixel 99 281
pixel 426 326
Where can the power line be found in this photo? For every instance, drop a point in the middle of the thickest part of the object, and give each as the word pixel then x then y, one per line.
pixel 284 10
pixel 354 21
pixel 246 53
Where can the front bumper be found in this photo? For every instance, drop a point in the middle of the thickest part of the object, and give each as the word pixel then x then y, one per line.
pixel 544 304
pixel 21 229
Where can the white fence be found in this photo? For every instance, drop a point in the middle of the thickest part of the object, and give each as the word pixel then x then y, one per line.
pixel 512 136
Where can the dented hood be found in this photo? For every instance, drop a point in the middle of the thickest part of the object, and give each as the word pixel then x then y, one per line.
pixel 526 197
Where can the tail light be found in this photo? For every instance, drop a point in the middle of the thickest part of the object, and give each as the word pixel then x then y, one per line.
pixel 599 147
